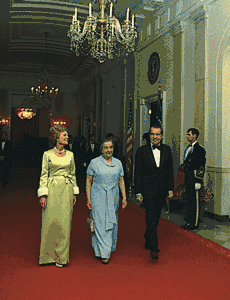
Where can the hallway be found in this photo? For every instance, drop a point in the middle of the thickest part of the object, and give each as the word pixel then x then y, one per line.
pixel 131 273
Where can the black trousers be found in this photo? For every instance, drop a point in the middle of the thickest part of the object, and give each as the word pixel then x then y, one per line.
pixel 192 205
pixel 153 208
pixel 5 171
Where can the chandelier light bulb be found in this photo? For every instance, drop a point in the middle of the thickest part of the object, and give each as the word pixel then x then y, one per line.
pixel 127 14
pixel 90 10
pixel 111 9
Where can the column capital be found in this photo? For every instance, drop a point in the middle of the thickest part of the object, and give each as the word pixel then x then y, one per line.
pixel 177 27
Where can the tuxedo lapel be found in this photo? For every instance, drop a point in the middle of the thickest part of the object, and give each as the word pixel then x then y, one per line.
pixel 162 156
pixel 151 156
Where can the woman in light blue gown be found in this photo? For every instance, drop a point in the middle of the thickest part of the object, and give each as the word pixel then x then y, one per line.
pixel 104 177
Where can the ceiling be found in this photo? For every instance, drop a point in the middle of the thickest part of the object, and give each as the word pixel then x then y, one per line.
pixel 23 24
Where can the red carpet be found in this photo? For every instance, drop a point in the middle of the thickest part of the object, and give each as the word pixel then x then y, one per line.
pixel 189 266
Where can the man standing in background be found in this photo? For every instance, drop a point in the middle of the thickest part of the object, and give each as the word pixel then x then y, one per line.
pixel 6 156
pixel 194 168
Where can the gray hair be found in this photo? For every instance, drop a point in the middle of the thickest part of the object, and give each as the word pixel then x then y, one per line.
pixel 106 140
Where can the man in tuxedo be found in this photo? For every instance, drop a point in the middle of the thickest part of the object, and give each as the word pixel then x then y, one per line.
pixel 92 150
pixel 70 144
pixel 80 158
pixel 145 139
pixel 194 168
pixel 115 149
pixel 6 152
pixel 154 181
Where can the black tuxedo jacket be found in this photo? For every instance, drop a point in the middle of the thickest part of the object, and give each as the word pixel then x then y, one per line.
pixel 67 147
pixel 91 154
pixel 7 152
pixel 150 180
pixel 195 161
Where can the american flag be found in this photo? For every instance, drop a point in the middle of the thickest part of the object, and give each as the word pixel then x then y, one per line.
pixel 129 143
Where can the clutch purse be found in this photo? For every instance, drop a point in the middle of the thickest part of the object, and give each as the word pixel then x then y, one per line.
pixel 90 224
pixel 181 168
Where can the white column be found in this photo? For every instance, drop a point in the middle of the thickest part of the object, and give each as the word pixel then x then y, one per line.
pixel 187 79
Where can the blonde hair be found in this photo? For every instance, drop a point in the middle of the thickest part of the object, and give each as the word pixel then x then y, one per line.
pixel 55 132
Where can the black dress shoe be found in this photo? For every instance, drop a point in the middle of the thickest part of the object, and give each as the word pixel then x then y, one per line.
pixel 154 255
pixel 148 247
pixel 189 226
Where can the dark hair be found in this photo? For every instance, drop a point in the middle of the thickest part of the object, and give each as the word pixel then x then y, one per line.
pixel 106 140
pixel 146 137
pixel 194 131
pixel 156 126
pixel 92 134
pixel 108 135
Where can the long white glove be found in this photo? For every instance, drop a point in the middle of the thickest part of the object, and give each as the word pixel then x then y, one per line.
pixel 197 186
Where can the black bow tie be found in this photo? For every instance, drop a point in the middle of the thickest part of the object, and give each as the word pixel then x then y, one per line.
pixel 156 147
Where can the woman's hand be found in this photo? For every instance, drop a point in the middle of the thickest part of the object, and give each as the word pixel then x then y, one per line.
pixel 89 204
pixel 74 199
pixel 124 203
pixel 42 201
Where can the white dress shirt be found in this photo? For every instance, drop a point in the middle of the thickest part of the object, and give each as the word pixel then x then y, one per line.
pixel 189 148
pixel 3 145
pixel 92 147
pixel 157 156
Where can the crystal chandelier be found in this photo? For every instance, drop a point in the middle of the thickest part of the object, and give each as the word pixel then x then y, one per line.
pixel 41 95
pixel 102 33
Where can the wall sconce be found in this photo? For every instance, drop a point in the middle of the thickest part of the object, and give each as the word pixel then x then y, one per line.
pixel 5 121
pixel 149 108
pixel 26 113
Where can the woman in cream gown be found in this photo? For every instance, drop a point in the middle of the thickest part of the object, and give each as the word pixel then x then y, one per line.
pixel 57 192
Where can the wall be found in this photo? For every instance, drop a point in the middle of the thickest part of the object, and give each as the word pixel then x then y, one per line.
pixel 217 112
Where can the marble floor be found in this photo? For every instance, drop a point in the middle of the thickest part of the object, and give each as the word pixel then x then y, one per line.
pixel 218 232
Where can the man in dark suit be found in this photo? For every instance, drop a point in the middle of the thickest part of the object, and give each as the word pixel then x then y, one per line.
pixel 194 168
pixel 115 149
pixel 92 150
pixel 80 154
pixel 6 152
pixel 153 183
pixel 70 144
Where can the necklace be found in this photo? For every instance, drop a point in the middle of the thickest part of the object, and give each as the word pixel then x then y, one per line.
pixel 59 151
pixel 107 168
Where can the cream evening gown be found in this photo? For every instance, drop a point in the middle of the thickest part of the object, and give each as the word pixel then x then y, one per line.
pixel 58 182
